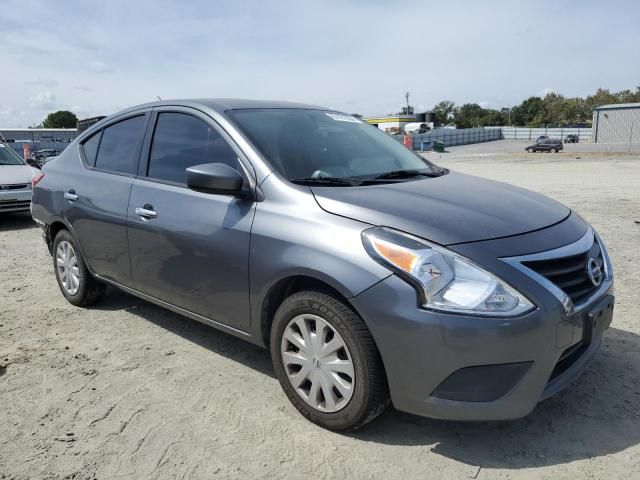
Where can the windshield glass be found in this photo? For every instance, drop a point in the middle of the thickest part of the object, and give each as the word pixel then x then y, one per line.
pixel 8 156
pixel 303 143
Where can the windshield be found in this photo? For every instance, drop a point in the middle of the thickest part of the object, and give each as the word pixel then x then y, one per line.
pixel 303 143
pixel 8 156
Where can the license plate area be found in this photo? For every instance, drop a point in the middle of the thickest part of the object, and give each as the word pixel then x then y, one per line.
pixel 598 319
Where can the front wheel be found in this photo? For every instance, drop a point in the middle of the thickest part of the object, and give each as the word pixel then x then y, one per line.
pixel 326 361
pixel 75 282
pixel 530 150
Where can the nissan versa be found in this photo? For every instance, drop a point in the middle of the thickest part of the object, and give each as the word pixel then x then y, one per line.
pixel 373 275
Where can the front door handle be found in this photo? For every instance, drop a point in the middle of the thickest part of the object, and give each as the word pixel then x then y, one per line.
pixel 146 212
pixel 71 195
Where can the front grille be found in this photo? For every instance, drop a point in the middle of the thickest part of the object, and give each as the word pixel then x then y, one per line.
pixel 8 205
pixel 570 273
pixel 17 186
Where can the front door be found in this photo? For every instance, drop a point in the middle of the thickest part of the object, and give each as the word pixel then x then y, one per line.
pixel 188 248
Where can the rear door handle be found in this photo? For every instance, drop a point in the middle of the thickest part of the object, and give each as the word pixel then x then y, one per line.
pixel 71 195
pixel 146 212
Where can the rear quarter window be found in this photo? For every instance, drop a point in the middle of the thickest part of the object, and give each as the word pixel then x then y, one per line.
pixel 90 148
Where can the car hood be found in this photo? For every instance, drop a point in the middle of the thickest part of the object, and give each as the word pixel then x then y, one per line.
pixel 453 208
pixel 15 174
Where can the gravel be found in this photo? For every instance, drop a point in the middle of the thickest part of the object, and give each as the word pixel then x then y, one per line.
pixel 127 389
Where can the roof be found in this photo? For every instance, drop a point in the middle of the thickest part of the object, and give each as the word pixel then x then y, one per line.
pixel 239 103
pixel 612 106
pixel 224 104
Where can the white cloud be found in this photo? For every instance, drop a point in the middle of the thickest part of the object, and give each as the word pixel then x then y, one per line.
pixel 333 52
pixel 6 111
pixel 43 100
pixel 100 67
pixel 42 83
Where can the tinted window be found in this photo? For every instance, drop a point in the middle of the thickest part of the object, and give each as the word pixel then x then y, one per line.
pixel 9 157
pixel 90 148
pixel 118 147
pixel 181 141
pixel 303 143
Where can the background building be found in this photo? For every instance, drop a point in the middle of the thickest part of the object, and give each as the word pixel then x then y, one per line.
pixel 617 123
pixel 391 123
pixel 38 138
pixel 396 123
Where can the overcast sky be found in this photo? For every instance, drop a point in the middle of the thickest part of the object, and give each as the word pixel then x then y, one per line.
pixel 352 55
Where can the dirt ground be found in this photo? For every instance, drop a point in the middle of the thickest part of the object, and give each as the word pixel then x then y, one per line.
pixel 128 390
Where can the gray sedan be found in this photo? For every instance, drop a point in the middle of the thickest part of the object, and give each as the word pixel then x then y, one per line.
pixel 371 274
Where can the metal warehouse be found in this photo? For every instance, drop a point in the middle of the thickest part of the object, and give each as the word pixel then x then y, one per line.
pixel 616 123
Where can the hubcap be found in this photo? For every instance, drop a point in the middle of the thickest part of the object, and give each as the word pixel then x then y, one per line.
pixel 318 363
pixel 67 267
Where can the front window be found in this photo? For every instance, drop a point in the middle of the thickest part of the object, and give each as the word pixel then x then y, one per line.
pixel 8 156
pixel 181 141
pixel 303 144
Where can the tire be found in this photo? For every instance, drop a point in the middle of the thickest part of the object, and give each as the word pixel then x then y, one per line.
pixel 83 290
pixel 553 150
pixel 531 150
pixel 369 392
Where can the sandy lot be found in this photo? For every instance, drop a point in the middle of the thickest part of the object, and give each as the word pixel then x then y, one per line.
pixel 128 390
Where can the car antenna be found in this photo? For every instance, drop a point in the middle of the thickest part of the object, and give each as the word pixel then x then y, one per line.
pixel 158 97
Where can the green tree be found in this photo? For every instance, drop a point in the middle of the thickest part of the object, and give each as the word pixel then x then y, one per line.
pixel 469 115
pixel 444 112
pixel 60 119
pixel 529 113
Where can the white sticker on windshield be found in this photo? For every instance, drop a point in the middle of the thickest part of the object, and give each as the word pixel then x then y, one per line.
pixel 339 117
pixel 1 145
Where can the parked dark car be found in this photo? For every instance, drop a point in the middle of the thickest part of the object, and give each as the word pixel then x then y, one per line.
pixel 552 145
pixel 540 138
pixel 571 139
pixel 42 155
pixel 370 273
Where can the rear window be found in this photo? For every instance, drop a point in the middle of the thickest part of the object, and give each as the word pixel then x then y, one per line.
pixel 119 145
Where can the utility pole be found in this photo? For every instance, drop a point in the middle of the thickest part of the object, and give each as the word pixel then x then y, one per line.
pixel 406 96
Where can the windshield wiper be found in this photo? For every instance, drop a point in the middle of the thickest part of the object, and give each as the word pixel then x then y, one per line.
pixel 409 174
pixel 328 181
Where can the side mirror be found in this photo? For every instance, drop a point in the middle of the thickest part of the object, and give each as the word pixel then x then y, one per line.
pixel 214 178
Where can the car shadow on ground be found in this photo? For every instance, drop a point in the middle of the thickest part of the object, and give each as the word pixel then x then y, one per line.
pixel 16 221
pixel 200 334
pixel 595 416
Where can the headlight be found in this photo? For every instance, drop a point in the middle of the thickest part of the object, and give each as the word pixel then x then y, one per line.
pixel 444 280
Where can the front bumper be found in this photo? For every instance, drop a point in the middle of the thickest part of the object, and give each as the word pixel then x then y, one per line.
pixel 486 368
pixel 15 200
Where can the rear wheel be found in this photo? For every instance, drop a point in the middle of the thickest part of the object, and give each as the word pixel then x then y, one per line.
pixel 75 282
pixel 553 150
pixel 326 361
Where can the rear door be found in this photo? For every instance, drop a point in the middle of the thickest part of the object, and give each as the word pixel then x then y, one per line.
pixel 97 195
pixel 192 250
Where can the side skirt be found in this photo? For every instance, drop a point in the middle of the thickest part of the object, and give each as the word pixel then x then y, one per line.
pixel 181 311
